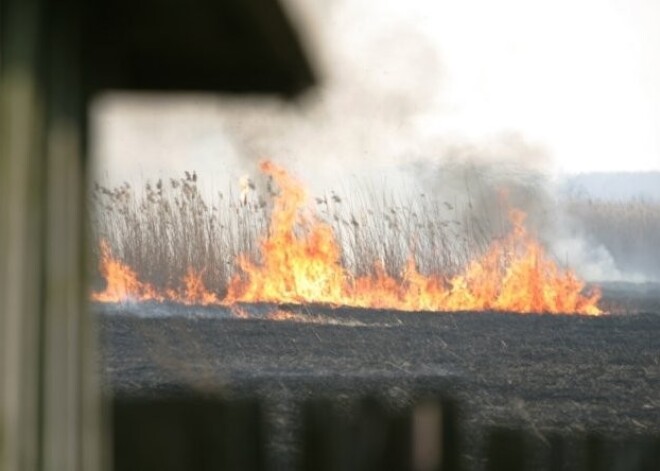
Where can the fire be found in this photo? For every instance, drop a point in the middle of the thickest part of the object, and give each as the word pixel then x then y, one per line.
pixel 294 268
pixel 194 291
pixel 122 284
pixel 300 262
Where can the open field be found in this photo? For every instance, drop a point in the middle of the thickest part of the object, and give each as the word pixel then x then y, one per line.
pixel 165 228
pixel 188 259
pixel 543 373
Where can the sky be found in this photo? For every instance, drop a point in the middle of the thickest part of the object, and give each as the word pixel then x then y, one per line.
pixel 580 76
pixel 570 86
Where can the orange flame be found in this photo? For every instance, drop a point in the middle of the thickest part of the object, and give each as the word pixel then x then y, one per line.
pixel 122 282
pixel 193 292
pixel 300 262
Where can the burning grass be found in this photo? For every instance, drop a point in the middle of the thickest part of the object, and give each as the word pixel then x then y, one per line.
pixel 282 250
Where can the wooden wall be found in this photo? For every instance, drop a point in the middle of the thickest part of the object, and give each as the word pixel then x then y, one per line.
pixel 49 401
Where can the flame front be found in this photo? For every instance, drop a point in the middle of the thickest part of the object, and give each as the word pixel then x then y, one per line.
pixel 300 262
pixel 294 267
pixel 123 284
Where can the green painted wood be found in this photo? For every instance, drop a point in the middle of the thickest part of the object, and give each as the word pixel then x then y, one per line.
pixel 558 454
pixel 379 438
pixel 49 408
pixel 202 434
pixel 450 438
pixel 506 450
pixel 625 454
pixel 367 437
pixel 71 402
pixel 323 432
pixel 22 141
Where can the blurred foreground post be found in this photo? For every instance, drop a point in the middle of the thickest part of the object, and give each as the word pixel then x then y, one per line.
pixel 49 414
pixel 190 433
pixel 54 56
pixel 423 437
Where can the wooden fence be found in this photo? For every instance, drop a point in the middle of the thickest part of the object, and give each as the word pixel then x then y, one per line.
pixel 211 434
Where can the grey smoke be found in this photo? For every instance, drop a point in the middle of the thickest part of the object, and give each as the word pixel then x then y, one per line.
pixel 380 75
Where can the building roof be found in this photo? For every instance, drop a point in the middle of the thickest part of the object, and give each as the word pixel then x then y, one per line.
pixel 197 45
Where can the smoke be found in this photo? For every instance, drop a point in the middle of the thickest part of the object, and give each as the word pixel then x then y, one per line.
pixel 388 109
pixel 592 261
pixel 507 169
pixel 379 78
pixel 485 181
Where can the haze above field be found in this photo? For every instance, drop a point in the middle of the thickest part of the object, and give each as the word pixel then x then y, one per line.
pixel 614 186
pixel 548 99
pixel 566 86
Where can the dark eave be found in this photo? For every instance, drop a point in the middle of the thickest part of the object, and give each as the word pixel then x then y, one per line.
pixel 239 46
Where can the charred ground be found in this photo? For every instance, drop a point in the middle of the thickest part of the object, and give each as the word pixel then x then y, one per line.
pixel 544 373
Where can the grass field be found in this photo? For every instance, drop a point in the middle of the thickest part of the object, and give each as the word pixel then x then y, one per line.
pixel 164 228
pixel 167 227
pixel 546 374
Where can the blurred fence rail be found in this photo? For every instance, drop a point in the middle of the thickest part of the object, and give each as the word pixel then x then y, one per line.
pixel 213 434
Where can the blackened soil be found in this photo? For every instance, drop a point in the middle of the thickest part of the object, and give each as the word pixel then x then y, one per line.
pixel 544 373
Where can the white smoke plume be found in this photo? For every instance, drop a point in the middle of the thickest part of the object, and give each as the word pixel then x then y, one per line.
pixel 459 101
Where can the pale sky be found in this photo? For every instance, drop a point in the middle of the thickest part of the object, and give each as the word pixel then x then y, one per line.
pixel 580 76
pixel 577 79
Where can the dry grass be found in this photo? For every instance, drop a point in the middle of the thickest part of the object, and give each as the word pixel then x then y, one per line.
pixel 629 230
pixel 165 227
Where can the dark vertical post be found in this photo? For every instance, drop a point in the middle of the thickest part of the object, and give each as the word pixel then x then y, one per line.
pixel 451 443
pixel 557 454
pixel 596 459
pixel 71 399
pixel 368 437
pixel 321 436
pixel 192 433
pixel 49 405
pixel 380 438
pixel 506 450
pixel 22 141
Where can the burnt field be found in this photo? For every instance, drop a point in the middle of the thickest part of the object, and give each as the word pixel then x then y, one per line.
pixel 542 373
